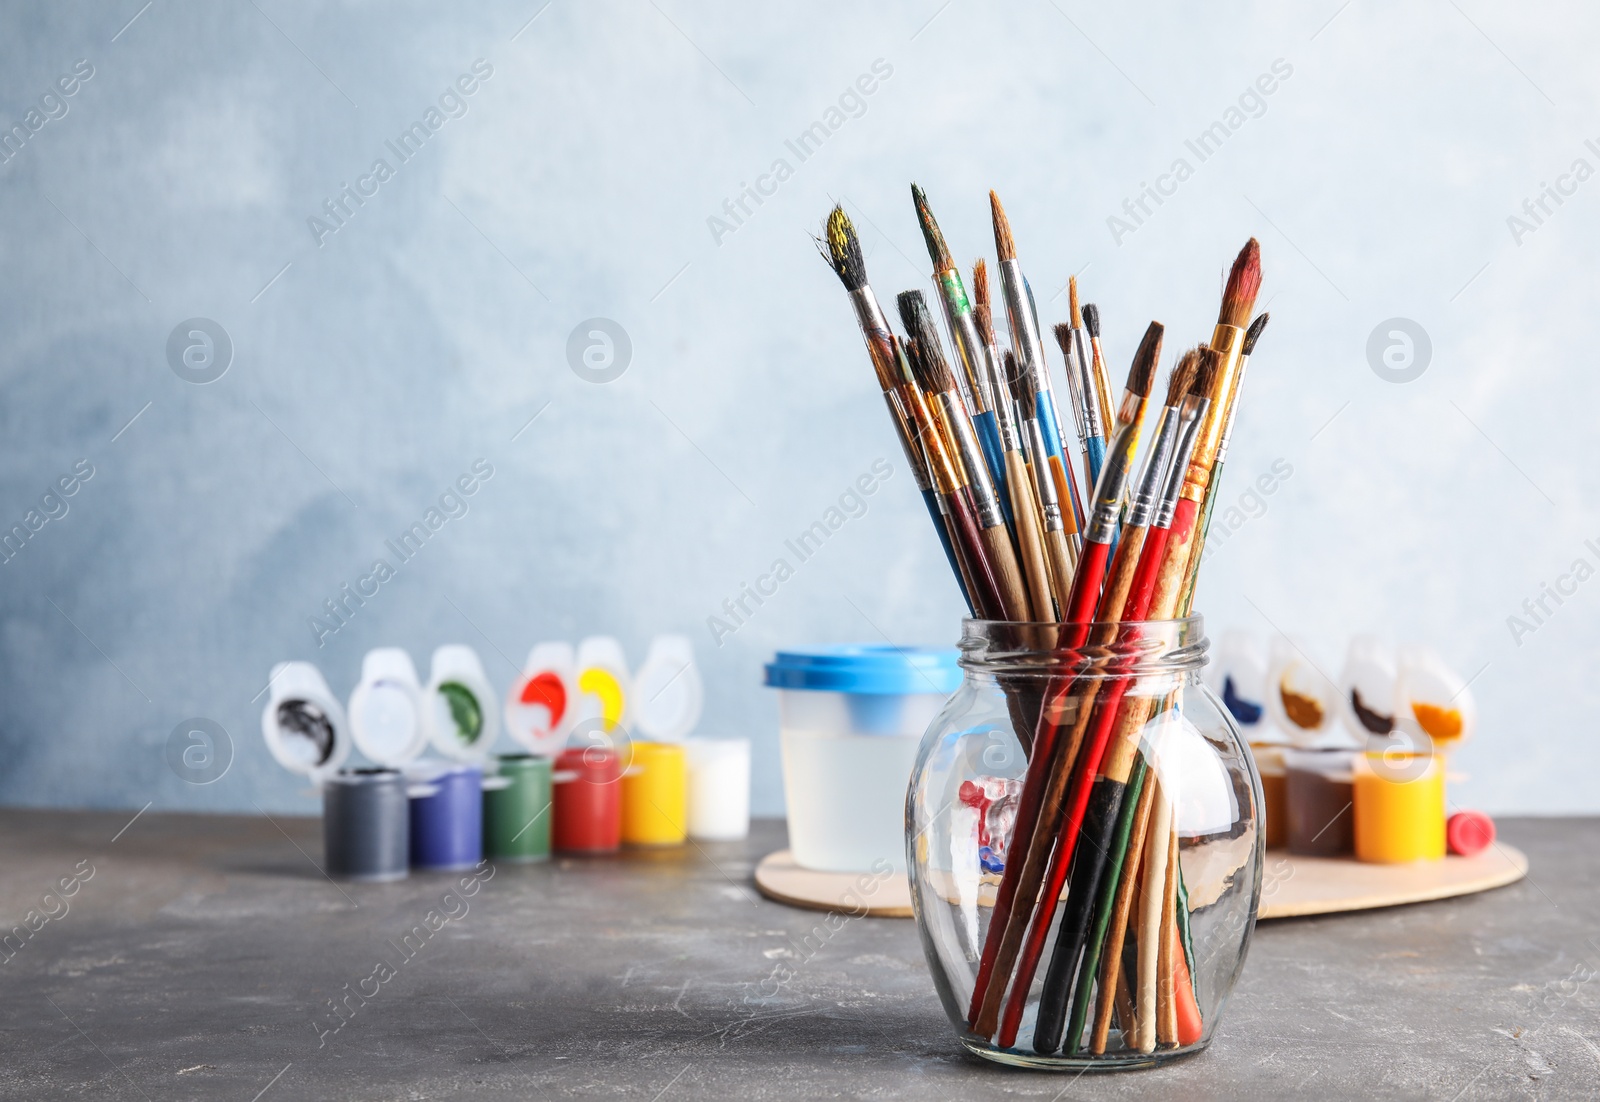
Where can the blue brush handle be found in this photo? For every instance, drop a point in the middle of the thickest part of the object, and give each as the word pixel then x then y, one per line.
pixel 995 460
pixel 1094 453
pixel 930 498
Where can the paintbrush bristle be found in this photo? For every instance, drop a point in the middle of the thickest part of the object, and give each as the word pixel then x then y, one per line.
pixel 841 248
pixel 1027 400
pixel 985 323
pixel 1143 371
pixel 1091 320
pixel 1063 334
pixel 980 282
pixel 1181 378
pixel 1003 244
pixel 1244 283
pixel 1208 373
pixel 1074 314
pixel 932 371
pixel 1253 334
pixel 938 251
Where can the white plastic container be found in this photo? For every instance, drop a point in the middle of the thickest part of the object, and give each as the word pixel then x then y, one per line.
pixel 851 720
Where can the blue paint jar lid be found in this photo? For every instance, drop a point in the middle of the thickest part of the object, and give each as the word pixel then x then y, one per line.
pixel 866 668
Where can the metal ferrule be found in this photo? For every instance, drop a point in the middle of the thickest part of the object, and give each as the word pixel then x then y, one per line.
pixel 959 427
pixel 1111 488
pixel 1228 340
pixel 1227 427
pixel 1194 411
pixel 1044 485
pixel 975 390
pixel 1005 413
pixel 875 329
pixel 1025 342
pixel 1091 418
pixel 1142 506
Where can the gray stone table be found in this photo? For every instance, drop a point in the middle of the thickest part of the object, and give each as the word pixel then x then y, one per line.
pixel 196 956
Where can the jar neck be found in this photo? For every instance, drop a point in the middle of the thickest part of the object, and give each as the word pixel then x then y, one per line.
pixel 999 648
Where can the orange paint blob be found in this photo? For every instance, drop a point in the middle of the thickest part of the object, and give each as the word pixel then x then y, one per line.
pixel 1441 724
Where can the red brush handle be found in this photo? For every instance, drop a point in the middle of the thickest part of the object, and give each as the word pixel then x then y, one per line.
pixel 1086 583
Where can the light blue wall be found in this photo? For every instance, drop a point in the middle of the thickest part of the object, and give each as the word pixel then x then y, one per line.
pixel 428 330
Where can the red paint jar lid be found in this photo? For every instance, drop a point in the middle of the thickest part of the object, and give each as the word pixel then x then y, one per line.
pixel 1469 833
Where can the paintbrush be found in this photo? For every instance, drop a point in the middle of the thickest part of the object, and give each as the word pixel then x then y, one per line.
pixel 1248 346
pixel 1102 378
pixel 1238 299
pixel 1026 343
pixel 976 379
pixel 841 248
pixel 1089 409
pixel 1061 548
pixel 934 379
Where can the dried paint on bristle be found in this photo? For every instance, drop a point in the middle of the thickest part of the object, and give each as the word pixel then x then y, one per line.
pixel 1143 371
pixel 1074 314
pixel 985 323
pixel 980 282
pixel 1253 334
pixel 902 359
pixel 1181 378
pixel 1063 334
pixel 938 251
pixel 1091 320
pixel 1207 373
pixel 841 248
pixel 1027 400
pixel 1244 283
pixel 933 373
pixel 1003 244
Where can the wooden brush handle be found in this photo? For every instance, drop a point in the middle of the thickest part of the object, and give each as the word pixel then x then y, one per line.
pixel 1011 590
pixel 1152 893
pixel 1030 541
pixel 1123 916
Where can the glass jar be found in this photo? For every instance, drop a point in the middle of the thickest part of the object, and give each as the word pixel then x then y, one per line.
pixel 1086 770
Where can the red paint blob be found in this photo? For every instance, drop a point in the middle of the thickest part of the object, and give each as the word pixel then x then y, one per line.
pixel 547 689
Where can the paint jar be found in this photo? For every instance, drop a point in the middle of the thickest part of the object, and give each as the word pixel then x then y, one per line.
pixel 1399 807
pixel 654 794
pixel 539 705
pixel 446 815
pixel 1320 794
pixel 586 801
pixel 1274 792
pixel 1131 901
pixel 719 789
pixel 516 815
pixel 461 716
pixel 303 723
pixel 366 831
pixel 851 718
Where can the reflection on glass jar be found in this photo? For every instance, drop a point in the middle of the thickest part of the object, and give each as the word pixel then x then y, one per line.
pixel 1082 833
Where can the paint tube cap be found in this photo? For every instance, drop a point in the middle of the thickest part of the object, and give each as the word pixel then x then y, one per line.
pixel 303 722
pixel 604 688
pixel 540 703
pixel 387 720
pixel 667 693
pixel 462 720
pixel 1469 833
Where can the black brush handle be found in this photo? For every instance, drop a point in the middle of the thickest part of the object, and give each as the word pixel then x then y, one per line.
pixel 1105 801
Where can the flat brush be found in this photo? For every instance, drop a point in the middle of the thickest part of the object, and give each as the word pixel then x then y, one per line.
pixel 1088 407
pixel 1023 319
pixel 976 378
pixel 841 247
pixel 933 377
pixel 1027 518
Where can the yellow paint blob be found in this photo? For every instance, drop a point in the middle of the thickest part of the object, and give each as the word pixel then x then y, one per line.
pixel 1442 724
pixel 1399 808
pixel 655 795
pixel 604 685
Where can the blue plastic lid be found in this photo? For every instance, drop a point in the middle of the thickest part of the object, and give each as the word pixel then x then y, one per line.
pixel 866 668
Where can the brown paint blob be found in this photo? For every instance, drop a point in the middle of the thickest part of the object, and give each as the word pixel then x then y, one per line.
pixel 1303 711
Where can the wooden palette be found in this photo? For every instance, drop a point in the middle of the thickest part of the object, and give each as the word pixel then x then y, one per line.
pixel 1291 886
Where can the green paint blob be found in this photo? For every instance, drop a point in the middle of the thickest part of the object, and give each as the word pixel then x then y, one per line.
pixel 464 710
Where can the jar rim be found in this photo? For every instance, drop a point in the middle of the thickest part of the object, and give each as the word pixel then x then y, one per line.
pixel 1101 649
